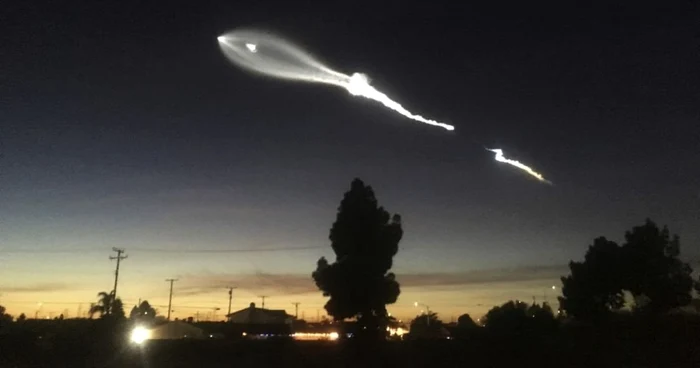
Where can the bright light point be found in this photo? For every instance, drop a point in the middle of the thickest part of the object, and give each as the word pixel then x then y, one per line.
pixel 415 304
pixel 554 287
pixel 333 336
pixel 252 47
pixel 139 335
pixel 221 38
pixel 358 84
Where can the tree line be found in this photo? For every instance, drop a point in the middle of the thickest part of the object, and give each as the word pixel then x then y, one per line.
pixel 365 238
pixel 359 283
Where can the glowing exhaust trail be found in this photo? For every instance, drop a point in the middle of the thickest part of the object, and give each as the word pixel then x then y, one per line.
pixel 275 57
pixel 272 56
pixel 500 158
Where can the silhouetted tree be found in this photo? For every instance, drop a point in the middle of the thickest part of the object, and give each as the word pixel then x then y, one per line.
pixel 509 316
pixel 117 309
pixel 107 305
pixel 5 318
pixel 517 316
pixel 22 317
pixel 595 285
pixel 143 312
pixel 365 239
pixel 465 328
pixel 647 266
pixel 466 321
pixel 103 305
pixel 655 272
pixel 427 325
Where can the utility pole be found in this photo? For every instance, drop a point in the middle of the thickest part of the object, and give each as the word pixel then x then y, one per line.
pixel 263 300
pixel 119 257
pixel 296 310
pixel 230 296
pixel 170 299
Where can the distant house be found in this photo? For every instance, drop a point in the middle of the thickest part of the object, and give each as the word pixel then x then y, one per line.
pixel 256 316
pixel 260 321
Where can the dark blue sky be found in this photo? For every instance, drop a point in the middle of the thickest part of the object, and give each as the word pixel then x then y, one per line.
pixel 123 125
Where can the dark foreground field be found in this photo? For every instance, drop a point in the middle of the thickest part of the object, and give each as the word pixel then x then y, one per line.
pixel 641 346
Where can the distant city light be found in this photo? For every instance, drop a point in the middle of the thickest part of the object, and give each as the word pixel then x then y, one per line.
pixel 396 331
pixel 315 336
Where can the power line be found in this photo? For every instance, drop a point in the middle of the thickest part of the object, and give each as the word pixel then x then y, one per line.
pixel 163 250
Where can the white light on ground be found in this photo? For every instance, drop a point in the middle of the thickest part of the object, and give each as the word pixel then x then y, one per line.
pixel 333 336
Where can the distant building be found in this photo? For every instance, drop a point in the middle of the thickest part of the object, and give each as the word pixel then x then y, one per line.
pixel 254 320
pixel 253 315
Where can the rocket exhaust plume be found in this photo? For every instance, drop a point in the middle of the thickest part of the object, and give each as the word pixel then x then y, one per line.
pixel 272 56
pixel 500 158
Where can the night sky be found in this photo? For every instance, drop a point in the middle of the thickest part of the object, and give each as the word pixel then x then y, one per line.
pixel 123 125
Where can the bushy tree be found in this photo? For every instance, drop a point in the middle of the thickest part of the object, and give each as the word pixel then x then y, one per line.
pixel 594 287
pixel 465 321
pixel 365 239
pixel 5 319
pixel 465 328
pixel 518 317
pixel 654 270
pixel 647 265
pixel 143 312
pixel 426 325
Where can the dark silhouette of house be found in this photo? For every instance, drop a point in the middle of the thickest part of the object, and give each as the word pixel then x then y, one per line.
pixel 254 320
pixel 253 315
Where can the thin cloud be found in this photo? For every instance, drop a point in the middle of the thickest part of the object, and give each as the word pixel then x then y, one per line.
pixel 291 284
pixel 35 288
pixel 480 277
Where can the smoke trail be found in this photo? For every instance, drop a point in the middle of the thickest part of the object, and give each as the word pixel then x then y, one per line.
pixel 500 158
pixel 273 56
